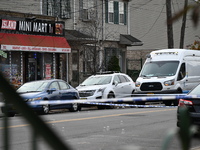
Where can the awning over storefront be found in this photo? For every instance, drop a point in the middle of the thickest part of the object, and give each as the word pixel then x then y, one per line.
pixel 34 43
pixel 129 40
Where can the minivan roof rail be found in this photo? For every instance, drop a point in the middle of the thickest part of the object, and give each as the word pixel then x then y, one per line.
pixel 107 72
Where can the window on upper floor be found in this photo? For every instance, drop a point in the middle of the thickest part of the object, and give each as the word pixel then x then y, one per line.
pixel 121 12
pixel 87 10
pixel 111 12
pixel 115 12
pixel 57 8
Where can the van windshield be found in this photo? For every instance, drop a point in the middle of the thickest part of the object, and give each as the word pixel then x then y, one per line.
pixel 159 69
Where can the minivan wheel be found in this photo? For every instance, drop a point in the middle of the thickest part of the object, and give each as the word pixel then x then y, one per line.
pixel 110 95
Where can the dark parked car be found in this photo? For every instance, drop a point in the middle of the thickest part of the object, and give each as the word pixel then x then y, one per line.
pixel 192 105
pixel 47 90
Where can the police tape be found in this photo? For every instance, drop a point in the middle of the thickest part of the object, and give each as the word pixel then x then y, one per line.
pixel 130 105
pixel 114 100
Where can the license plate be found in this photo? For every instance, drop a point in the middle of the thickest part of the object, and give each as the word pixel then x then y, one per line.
pixel 150 93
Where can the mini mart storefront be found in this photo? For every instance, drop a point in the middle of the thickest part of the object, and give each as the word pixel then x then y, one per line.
pixel 27 57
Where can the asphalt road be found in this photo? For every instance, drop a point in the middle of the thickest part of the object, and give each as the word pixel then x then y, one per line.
pixel 110 129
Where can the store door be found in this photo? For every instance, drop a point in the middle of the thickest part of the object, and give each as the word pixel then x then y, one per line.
pixel 32 69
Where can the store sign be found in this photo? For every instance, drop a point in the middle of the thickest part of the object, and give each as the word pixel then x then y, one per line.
pixel 35 48
pixel 3 54
pixel 38 27
pixel 34 27
pixel 9 24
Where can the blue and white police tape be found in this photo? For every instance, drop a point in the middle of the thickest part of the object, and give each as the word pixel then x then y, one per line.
pixel 128 105
pixel 115 100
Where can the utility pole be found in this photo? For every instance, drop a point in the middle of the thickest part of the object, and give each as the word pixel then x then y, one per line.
pixel 183 26
pixel 102 39
pixel 169 24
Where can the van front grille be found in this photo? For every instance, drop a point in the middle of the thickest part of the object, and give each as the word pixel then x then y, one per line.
pixel 151 86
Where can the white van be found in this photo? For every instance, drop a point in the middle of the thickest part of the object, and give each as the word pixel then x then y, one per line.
pixel 169 71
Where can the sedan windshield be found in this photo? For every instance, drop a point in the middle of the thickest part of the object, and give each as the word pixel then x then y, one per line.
pixel 97 80
pixel 32 87
pixel 160 69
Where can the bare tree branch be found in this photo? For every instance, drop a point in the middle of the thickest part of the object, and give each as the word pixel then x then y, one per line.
pixel 195 9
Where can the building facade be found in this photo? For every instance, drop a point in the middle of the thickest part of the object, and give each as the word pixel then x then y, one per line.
pixel 95 30
pixel 107 27
pixel 32 49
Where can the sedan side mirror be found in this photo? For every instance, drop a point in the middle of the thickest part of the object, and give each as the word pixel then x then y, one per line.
pixel 51 90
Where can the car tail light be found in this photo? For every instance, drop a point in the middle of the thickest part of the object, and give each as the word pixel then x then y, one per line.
pixel 183 102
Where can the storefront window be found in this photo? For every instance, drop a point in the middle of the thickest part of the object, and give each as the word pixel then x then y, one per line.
pixel 63 67
pixel 11 67
pixel 4 64
pixel 16 75
pixel 48 66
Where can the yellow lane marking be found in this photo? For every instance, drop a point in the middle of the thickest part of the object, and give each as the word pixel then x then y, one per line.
pixel 88 118
pixel 17 126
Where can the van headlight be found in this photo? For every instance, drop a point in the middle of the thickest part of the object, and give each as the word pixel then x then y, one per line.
pixel 169 83
pixel 137 84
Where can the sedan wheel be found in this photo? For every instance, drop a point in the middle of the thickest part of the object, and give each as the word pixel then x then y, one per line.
pixel 75 107
pixel 45 109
